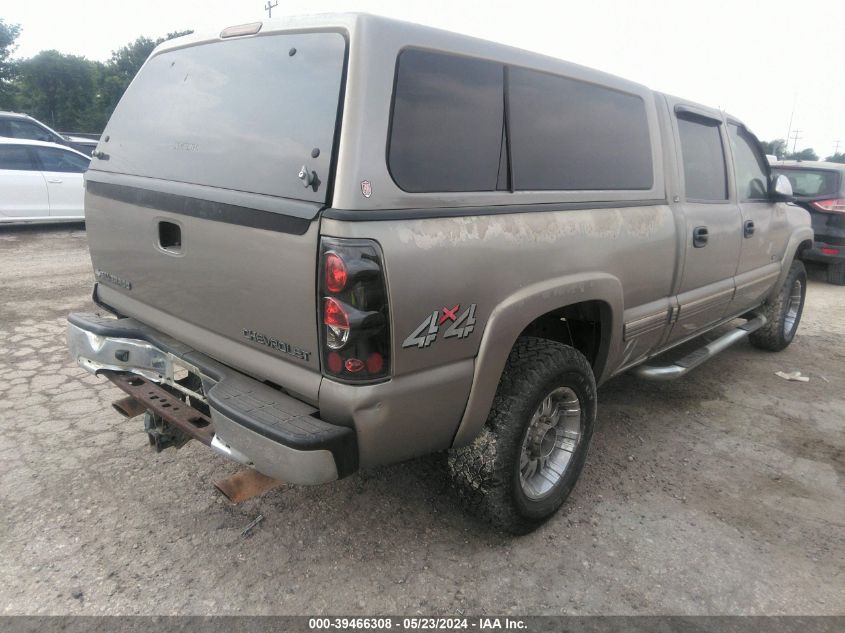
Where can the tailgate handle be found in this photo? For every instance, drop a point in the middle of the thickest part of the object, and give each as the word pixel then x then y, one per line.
pixel 170 237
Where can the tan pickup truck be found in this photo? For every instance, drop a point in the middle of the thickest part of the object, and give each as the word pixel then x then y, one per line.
pixel 335 242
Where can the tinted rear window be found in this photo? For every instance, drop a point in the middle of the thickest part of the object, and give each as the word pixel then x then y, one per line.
pixel 704 159
pixel 16 157
pixel 241 114
pixel 570 135
pixel 448 120
pixel 448 129
pixel 812 182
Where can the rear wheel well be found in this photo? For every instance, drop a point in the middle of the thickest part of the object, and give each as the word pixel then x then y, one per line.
pixel 803 246
pixel 584 326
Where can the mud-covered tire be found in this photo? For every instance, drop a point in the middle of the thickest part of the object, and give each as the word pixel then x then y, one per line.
pixel 836 274
pixel 486 473
pixel 781 323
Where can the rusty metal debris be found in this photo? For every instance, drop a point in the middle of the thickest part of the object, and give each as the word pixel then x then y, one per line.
pixel 172 409
pixel 246 484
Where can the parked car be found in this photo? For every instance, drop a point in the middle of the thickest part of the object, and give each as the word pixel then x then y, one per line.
pixel 22 126
pixel 819 187
pixel 445 245
pixel 40 182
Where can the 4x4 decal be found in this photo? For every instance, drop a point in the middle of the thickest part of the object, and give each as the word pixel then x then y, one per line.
pixel 426 332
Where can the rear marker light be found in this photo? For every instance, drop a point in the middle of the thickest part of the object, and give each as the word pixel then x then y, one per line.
pixel 827 250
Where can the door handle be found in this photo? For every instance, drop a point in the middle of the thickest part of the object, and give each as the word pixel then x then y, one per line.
pixel 748 228
pixel 55 181
pixel 699 237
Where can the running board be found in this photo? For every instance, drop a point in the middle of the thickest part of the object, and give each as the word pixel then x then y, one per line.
pixel 694 359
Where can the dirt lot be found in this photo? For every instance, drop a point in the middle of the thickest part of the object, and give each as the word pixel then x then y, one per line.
pixel 721 493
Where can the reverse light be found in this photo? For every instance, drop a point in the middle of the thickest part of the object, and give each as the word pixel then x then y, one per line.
pixel 836 205
pixel 336 321
pixel 355 331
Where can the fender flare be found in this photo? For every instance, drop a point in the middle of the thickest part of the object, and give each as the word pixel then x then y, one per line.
pixel 510 317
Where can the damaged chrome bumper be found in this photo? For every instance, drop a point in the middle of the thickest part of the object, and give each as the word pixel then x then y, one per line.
pixel 253 424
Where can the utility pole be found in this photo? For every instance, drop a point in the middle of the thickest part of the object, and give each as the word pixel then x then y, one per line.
pixel 791 116
pixel 796 135
pixel 269 7
pixel 836 147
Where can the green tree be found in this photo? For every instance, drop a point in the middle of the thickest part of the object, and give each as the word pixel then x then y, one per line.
pixel 122 67
pixel 58 89
pixel 8 35
pixel 775 148
pixel 838 157
pixel 804 154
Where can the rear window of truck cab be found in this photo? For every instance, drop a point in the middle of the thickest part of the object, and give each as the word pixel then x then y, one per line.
pixel 467 124
pixel 244 114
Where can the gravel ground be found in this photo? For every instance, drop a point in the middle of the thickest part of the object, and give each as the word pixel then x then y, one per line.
pixel 721 493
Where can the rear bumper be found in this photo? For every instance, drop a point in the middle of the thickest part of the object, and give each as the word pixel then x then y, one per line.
pixel 254 424
pixel 817 254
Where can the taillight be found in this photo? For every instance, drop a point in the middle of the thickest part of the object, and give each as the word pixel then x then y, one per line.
pixel 354 318
pixel 336 273
pixel 830 206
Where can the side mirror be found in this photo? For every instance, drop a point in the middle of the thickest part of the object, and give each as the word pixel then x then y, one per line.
pixel 781 189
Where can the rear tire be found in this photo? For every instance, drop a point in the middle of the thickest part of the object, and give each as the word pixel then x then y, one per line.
pixel 836 274
pixel 783 313
pixel 526 459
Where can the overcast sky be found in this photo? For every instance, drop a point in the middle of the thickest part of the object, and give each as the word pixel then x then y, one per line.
pixel 753 58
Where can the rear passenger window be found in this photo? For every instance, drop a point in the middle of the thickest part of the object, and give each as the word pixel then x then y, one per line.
pixel 448 122
pixel 571 135
pixel 53 159
pixel 704 159
pixel 749 165
pixel 16 157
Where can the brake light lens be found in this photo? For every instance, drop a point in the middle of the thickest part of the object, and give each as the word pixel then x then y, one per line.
pixel 829 250
pixel 830 206
pixel 354 317
pixel 336 273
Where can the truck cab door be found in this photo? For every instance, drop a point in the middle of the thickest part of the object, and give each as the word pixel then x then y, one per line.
pixel 764 227
pixel 711 220
pixel 23 192
pixel 63 171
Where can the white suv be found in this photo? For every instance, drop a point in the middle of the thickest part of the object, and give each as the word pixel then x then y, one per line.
pixel 40 182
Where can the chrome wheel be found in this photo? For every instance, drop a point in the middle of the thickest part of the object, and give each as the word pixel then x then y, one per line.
pixel 552 437
pixel 792 307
